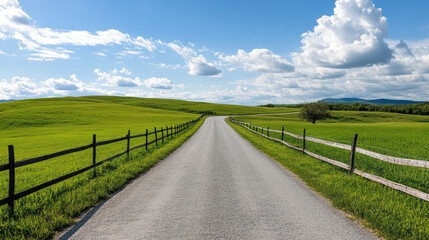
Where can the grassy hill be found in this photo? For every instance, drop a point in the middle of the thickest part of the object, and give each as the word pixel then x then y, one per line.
pixel 189 106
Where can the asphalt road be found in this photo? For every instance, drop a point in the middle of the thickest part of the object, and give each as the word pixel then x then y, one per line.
pixel 216 185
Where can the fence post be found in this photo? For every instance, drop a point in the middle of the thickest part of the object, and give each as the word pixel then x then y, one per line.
pixel 162 134
pixel 156 138
pixel 303 142
pixel 128 143
pixel 268 131
pixel 352 155
pixel 146 137
pixel 171 131
pixel 94 152
pixel 283 132
pixel 11 179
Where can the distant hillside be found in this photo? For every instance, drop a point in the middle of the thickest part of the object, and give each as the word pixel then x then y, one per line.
pixel 380 101
pixel 188 106
pixel 10 100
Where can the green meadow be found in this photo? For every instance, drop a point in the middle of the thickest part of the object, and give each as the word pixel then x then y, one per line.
pixel 42 126
pixel 393 134
pixel 392 214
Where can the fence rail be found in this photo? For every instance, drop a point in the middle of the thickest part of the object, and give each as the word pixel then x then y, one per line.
pixel 12 165
pixel 350 167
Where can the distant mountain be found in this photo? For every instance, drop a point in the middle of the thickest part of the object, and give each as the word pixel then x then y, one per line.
pixel 380 101
pixel 7 100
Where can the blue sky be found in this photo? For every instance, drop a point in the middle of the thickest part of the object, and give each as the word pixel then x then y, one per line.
pixel 241 52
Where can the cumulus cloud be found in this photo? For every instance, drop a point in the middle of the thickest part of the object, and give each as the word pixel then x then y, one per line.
pixel 197 64
pixel 122 78
pixel 352 37
pixel 17 24
pixel 406 76
pixel 19 87
pixel 62 84
pixel 258 60
pixel 113 79
pixel 158 83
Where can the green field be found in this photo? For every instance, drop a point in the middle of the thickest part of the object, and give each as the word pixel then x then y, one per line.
pixel 388 133
pixel 42 126
pixel 393 214
pixel 394 134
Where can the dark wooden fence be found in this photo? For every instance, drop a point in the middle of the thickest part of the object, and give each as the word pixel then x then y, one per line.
pixel 349 167
pixel 169 132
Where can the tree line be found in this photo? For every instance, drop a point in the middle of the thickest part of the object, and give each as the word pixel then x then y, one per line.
pixel 418 108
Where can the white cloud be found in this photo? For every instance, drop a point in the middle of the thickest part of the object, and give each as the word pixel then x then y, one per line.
pixel 352 37
pixel 145 43
pixel 125 71
pixel 158 83
pixel 45 54
pixel 197 64
pixel 258 60
pixel 101 54
pixel 2 53
pixel 15 23
pixel 114 79
pixel 62 84
pixel 130 53
pixel 19 87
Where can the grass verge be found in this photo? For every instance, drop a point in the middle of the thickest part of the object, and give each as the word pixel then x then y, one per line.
pixel 393 214
pixel 40 215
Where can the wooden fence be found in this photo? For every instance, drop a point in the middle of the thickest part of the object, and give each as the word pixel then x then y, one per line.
pixel 379 156
pixel 169 132
pixel 350 167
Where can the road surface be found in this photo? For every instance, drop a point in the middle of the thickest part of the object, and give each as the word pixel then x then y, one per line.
pixel 216 186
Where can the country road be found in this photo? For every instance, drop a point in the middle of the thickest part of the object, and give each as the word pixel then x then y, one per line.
pixel 216 186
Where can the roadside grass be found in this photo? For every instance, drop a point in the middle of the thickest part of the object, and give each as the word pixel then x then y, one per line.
pixel 189 106
pixel 43 126
pixel 393 214
pixel 40 215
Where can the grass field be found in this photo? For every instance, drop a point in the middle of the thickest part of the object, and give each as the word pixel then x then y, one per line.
pixel 188 106
pixel 42 126
pixel 395 215
pixel 388 133
pixel 394 134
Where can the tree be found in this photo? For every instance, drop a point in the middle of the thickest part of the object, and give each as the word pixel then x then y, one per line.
pixel 314 111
